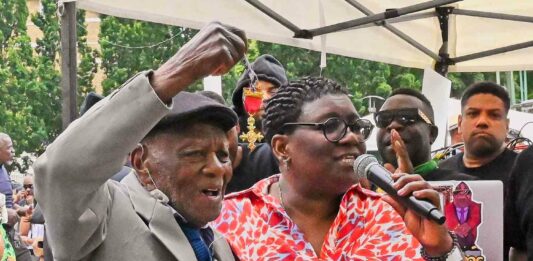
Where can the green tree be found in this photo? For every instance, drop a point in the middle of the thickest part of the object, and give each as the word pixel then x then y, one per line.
pixel 121 61
pixel 29 82
pixel 87 66
pixel 130 46
pixel 13 15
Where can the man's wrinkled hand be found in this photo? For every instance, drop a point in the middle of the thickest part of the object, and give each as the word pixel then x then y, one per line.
pixel 212 51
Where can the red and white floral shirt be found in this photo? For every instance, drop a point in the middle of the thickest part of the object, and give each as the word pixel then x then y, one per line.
pixel 366 228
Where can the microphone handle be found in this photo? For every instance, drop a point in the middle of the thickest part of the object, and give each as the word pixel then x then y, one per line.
pixel 421 207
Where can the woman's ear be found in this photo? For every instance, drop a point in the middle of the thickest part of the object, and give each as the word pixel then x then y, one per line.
pixel 279 146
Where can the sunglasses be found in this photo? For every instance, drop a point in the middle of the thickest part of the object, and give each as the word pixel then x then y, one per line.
pixel 404 117
pixel 28 186
pixel 334 129
pixel 462 192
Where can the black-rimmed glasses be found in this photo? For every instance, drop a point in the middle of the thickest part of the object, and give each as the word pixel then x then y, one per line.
pixel 402 116
pixel 335 129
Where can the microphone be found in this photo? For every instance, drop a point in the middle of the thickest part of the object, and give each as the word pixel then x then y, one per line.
pixel 367 166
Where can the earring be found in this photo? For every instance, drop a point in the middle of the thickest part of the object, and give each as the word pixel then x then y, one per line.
pixel 287 162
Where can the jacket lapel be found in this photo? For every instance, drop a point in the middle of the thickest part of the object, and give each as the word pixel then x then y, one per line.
pixel 221 248
pixel 161 222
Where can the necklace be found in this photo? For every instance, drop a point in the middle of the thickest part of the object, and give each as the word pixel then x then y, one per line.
pixel 281 195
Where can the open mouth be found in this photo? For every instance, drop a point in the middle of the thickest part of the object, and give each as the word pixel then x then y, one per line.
pixel 211 192
pixel 348 159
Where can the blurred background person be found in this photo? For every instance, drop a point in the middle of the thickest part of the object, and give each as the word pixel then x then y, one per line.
pixel 407 117
pixel 519 209
pixel 7 152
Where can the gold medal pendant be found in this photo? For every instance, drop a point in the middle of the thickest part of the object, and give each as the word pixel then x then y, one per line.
pixel 252 104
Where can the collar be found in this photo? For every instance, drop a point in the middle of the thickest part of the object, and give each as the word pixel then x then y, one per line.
pixel 426 167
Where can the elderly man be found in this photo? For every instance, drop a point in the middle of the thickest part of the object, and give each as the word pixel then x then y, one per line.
pixel 407 117
pixel 7 152
pixel 179 153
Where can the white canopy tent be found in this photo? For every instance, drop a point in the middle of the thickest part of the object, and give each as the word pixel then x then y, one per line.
pixel 448 35
pixel 411 35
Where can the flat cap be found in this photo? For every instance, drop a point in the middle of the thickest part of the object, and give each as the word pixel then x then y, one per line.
pixel 192 106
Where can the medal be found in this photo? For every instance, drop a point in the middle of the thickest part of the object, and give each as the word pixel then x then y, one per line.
pixel 252 100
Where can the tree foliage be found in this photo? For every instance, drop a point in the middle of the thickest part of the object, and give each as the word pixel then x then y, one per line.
pixel 30 95
pixel 87 66
pixel 120 61
pixel 130 46
pixel 13 15
pixel 28 82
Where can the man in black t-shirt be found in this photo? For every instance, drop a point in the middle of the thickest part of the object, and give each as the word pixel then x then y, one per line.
pixel 410 114
pixel 483 124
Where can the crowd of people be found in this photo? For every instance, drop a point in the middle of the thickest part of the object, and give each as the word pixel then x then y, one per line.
pixel 21 231
pixel 152 172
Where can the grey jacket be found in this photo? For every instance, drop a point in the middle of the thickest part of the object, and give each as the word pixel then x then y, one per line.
pixel 88 216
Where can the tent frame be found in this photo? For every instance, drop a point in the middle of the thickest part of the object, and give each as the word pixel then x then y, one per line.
pixel 385 19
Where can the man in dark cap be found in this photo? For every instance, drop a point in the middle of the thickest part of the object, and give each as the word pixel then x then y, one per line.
pixel 255 164
pixel 270 76
pixel 179 153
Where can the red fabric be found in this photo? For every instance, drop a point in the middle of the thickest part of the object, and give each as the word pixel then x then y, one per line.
pixel 473 219
pixel 252 102
pixel 366 228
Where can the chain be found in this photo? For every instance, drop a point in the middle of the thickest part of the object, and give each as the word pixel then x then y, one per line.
pixel 251 73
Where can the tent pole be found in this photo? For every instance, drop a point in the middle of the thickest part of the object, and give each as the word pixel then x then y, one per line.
pixel 521 79
pixel 525 85
pixel 510 86
pixel 500 50
pixel 400 19
pixel 390 13
pixel 517 18
pixel 442 64
pixel 270 13
pixel 69 81
pixel 395 30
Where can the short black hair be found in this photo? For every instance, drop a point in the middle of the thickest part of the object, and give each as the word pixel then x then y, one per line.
pixel 417 94
pixel 486 88
pixel 286 105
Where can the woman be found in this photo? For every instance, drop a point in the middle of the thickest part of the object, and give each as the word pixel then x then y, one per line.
pixel 315 208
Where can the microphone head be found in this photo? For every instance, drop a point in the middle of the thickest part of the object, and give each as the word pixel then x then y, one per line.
pixel 362 163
